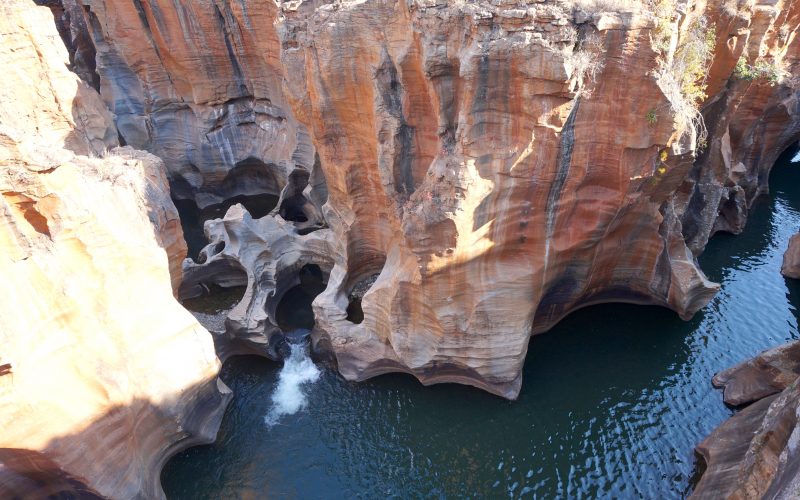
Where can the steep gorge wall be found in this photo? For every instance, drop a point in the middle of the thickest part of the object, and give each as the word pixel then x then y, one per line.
pixel 103 375
pixel 484 182
pixel 199 85
pixel 750 121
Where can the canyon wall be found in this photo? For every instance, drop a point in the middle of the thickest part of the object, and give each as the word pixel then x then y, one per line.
pixel 103 375
pixel 484 168
pixel 464 174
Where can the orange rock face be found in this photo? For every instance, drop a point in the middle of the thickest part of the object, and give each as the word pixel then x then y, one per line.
pixel 473 167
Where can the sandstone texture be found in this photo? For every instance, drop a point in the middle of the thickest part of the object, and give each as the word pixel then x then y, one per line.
pixel 768 373
pixel 791 258
pixel 755 453
pixel 487 167
pixel 103 375
pixel 30 474
pixel 463 175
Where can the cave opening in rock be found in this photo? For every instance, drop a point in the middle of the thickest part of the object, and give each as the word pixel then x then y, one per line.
pixel 292 209
pixel 294 311
pixel 354 312
pixel 251 182
pixel 215 299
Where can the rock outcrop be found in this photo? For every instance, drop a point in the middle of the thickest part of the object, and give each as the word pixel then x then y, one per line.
pixel 791 258
pixel 462 174
pixel 487 167
pixel 768 373
pixel 103 375
pixel 199 85
pixel 755 453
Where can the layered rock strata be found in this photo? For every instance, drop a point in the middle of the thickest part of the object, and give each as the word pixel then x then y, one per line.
pixel 495 164
pixel 103 376
pixel 755 453
pixel 199 85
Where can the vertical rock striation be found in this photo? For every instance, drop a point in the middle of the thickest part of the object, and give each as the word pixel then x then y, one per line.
pixel 199 85
pixel 488 166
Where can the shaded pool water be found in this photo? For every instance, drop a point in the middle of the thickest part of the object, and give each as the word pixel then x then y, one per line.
pixel 614 399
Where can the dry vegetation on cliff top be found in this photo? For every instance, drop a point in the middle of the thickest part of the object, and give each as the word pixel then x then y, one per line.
pixel 607 5
pixel 685 47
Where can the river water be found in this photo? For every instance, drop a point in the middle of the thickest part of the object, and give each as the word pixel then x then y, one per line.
pixel 614 399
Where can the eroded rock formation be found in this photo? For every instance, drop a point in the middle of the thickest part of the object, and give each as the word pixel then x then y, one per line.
pixel 768 373
pixel 463 174
pixel 755 453
pixel 103 376
pixel 266 256
pixel 791 258
pixel 468 161
pixel 199 85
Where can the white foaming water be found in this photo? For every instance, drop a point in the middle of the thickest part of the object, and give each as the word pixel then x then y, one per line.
pixel 289 398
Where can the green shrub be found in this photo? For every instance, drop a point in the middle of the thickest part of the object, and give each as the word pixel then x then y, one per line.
pixel 772 72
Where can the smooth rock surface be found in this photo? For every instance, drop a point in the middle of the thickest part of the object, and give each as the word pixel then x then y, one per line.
pixel 791 259
pixel 768 373
pixel 105 375
pixel 755 453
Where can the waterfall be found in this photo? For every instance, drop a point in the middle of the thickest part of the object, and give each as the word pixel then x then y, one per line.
pixel 289 397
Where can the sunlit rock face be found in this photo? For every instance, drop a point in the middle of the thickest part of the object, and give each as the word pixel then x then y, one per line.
pixel 478 184
pixel 103 375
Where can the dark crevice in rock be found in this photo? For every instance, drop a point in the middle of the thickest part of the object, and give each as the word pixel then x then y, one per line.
pixel 238 74
pixel 74 32
pixel 218 274
pixel 355 314
pixel 562 171
pixel 215 299
pixel 294 309
pixel 296 207
pixel 391 94
pixel 251 183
